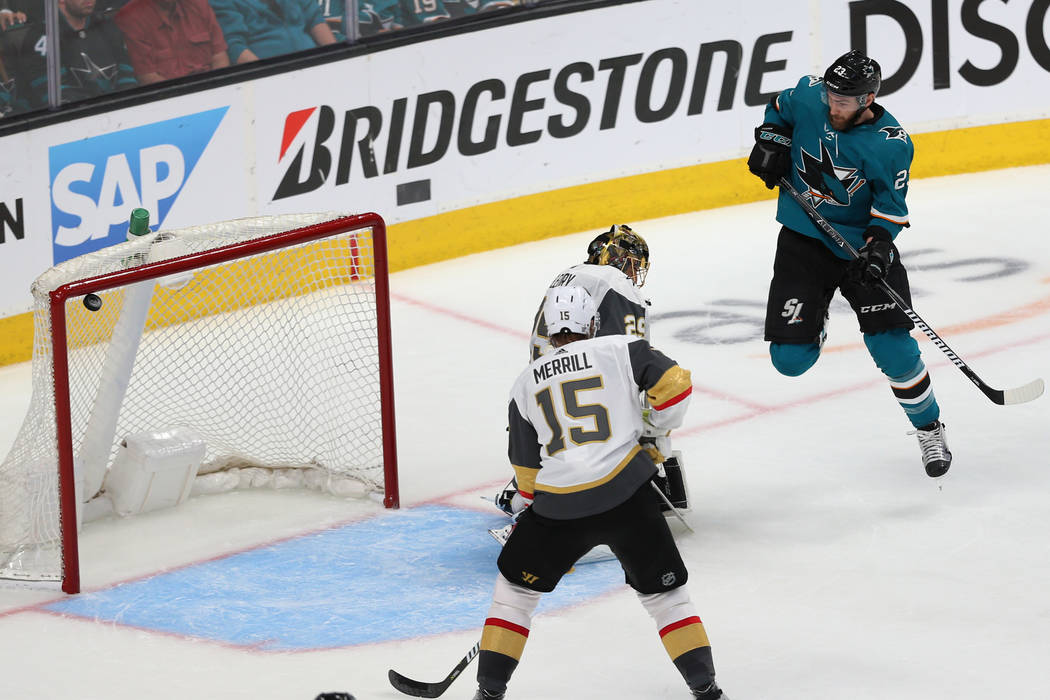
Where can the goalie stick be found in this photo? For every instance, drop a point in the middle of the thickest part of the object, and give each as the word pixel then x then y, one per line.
pixel 670 505
pixel 420 689
pixel 1027 392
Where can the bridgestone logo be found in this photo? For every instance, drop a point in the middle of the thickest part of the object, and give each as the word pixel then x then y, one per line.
pixel 558 102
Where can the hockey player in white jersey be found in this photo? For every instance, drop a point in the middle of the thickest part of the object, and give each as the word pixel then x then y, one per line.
pixel 613 274
pixel 574 432
pixel 615 270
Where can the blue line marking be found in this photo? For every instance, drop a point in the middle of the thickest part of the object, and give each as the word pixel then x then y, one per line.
pixel 404 574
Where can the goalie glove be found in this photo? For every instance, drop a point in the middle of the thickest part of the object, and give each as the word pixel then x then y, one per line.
pixel 510 500
pixel 659 448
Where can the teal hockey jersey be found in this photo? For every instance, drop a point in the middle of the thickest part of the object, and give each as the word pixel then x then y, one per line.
pixel 855 178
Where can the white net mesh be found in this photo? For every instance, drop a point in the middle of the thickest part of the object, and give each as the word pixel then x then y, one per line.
pixel 271 358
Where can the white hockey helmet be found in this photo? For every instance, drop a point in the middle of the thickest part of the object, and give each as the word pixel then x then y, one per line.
pixel 570 309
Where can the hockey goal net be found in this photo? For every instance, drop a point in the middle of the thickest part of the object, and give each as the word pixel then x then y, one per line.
pixel 267 337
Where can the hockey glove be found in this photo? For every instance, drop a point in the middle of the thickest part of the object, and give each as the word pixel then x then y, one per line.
pixel 770 159
pixel 510 500
pixel 876 257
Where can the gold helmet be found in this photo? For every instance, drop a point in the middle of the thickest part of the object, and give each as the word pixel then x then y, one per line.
pixel 624 249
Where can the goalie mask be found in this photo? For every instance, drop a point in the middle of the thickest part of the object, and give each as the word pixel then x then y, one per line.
pixel 596 246
pixel 623 249
pixel 570 310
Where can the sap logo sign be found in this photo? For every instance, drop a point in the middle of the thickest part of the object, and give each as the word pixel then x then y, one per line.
pixel 96 182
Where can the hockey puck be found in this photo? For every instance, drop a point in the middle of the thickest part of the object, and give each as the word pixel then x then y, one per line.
pixel 93 302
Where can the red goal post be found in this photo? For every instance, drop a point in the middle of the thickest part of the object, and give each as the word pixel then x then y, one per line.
pixel 267 337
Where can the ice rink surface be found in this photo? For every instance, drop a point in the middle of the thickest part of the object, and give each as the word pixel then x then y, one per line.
pixel 825 564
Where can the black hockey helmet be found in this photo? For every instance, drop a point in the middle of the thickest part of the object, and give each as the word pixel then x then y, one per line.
pixel 626 251
pixel 853 74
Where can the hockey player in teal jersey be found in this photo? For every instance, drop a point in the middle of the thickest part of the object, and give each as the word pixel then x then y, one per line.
pixel 852 160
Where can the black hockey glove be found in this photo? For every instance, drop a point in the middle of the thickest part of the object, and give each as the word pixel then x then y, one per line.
pixel 876 257
pixel 770 159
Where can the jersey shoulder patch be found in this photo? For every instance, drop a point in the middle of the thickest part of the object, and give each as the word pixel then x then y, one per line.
pixel 894 133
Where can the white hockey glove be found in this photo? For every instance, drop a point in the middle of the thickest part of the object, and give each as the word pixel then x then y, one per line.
pixel 510 500
pixel 506 500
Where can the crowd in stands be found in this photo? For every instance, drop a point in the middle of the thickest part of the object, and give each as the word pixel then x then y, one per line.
pixel 109 45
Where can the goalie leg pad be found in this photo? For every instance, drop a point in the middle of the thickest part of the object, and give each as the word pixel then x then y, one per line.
pixel 672 482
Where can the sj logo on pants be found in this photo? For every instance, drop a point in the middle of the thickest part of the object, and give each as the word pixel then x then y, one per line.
pixel 792 311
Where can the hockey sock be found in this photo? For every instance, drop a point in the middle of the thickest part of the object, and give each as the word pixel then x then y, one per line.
pixel 897 355
pixel 683 635
pixel 505 633
pixel 915 395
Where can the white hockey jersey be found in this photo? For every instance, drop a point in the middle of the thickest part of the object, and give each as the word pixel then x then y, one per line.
pixel 574 422
pixel 621 306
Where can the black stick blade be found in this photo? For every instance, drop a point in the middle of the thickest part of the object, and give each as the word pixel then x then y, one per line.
pixel 417 689
pixel 420 689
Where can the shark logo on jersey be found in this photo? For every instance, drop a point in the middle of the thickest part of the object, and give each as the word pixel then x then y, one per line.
pixel 894 132
pixel 828 182
pixel 815 80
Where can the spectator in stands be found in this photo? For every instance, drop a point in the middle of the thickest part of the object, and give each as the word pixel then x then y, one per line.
pixel 12 28
pixel 377 16
pixel 257 29
pixel 486 5
pixel 93 58
pixel 9 17
pixel 7 91
pixel 171 38
pixel 462 8
pixel 332 12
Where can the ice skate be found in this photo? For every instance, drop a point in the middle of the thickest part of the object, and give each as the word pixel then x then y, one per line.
pixel 483 694
pixel 711 692
pixel 935 455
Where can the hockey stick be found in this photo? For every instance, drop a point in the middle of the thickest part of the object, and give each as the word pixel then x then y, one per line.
pixel 419 689
pixel 1027 392
pixel 671 506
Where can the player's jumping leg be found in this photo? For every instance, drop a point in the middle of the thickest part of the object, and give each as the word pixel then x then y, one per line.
pixel 805 275
pixel 897 354
pixel 793 359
